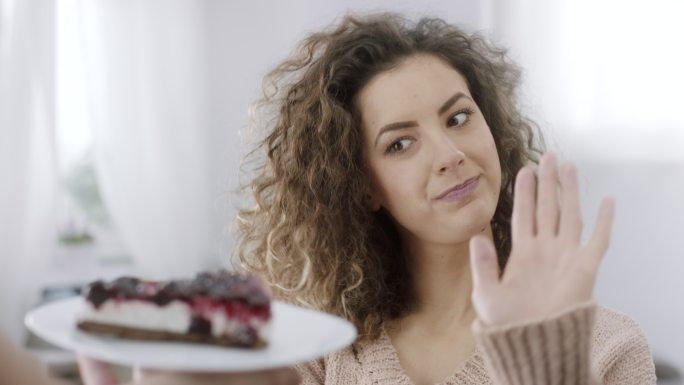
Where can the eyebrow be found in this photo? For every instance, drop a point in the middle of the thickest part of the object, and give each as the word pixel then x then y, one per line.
pixel 412 123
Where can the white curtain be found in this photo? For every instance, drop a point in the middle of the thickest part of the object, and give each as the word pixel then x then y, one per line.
pixel 27 164
pixel 146 72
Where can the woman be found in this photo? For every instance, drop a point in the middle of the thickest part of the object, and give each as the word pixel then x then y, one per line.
pixel 396 187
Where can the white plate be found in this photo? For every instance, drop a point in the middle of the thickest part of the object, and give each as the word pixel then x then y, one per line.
pixel 297 335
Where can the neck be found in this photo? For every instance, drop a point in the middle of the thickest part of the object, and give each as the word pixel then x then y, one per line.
pixel 442 282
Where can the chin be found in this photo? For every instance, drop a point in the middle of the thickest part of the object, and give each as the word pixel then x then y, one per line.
pixel 456 233
pixel 461 228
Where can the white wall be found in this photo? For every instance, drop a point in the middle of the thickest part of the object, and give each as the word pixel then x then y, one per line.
pixel 643 272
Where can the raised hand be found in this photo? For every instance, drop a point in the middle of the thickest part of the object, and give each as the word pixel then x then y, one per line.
pixel 549 269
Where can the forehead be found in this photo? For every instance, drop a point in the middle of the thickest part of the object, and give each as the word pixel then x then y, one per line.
pixel 420 82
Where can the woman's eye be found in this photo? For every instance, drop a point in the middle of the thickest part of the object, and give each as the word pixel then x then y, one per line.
pixel 399 145
pixel 458 119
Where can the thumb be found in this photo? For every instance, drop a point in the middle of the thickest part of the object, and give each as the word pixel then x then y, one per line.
pixel 94 372
pixel 483 264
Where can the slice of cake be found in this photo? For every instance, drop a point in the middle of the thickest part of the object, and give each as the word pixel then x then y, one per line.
pixel 220 308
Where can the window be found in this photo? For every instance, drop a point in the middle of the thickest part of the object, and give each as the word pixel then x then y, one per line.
pixel 85 227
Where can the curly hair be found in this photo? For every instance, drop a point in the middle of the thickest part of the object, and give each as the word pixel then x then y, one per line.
pixel 310 234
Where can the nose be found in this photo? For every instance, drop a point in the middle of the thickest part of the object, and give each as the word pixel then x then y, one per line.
pixel 447 155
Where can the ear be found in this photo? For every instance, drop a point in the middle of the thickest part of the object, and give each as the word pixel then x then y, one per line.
pixel 371 202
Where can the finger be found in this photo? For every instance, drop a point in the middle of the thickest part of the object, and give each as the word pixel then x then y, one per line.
pixel 94 372
pixel 600 238
pixel 483 264
pixel 570 228
pixel 547 196
pixel 522 220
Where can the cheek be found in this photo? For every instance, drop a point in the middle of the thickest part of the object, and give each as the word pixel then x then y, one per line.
pixel 396 184
pixel 491 144
pixel 489 159
pixel 393 184
pixel 496 163
pixel 495 166
pixel 483 147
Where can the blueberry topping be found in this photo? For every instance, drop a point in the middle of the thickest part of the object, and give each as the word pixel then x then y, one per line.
pixel 166 294
pixel 238 287
pixel 246 337
pixel 219 286
pixel 200 326
pixel 96 293
pixel 127 286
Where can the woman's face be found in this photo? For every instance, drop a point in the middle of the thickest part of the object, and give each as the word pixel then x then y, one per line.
pixel 431 157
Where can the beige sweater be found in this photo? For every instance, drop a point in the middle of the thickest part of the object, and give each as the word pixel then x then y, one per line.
pixel 585 345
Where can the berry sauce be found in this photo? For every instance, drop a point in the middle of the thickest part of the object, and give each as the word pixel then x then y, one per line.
pixel 240 297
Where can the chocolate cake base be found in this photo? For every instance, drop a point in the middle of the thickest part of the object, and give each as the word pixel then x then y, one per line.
pixel 157 335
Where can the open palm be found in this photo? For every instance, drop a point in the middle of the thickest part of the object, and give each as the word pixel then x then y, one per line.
pixel 549 269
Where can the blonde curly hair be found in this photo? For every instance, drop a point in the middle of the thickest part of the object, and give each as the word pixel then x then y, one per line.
pixel 309 233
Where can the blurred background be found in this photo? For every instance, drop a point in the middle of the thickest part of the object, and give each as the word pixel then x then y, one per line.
pixel 122 126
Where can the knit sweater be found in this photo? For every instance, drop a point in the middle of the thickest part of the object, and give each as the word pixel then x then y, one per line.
pixel 587 345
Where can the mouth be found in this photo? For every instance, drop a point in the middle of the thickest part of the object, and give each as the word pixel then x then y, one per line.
pixel 459 191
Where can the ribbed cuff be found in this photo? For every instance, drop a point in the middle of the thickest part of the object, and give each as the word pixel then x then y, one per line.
pixel 551 351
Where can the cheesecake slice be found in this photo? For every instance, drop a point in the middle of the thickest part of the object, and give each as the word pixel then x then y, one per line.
pixel 221 308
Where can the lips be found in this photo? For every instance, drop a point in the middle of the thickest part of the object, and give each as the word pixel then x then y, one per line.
pixel 460 191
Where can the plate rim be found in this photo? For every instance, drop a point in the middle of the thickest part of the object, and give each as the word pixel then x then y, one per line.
pixel 346 336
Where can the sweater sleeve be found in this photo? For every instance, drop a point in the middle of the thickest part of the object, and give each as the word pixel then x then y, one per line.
pixel 557 351
pixel 620 351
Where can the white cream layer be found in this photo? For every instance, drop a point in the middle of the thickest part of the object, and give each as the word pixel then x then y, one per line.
pixel 174 317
